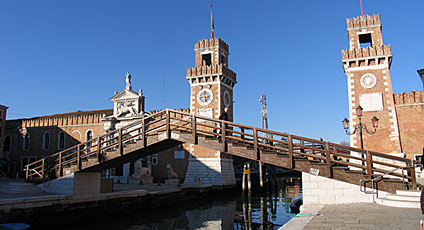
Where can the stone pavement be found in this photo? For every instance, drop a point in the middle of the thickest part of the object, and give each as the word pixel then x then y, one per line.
pixel 150 188
pixel 355 216
pixel 9 195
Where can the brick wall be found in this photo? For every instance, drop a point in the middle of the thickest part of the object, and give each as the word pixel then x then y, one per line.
pixel 410 114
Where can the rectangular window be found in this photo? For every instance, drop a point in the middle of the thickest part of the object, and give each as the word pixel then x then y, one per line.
pixel 27 160
pixel 25 144
pixel 7 143
pixel 365 40
pixel 12 167
pixel 223 61
pixel 179 154
pixel 206 59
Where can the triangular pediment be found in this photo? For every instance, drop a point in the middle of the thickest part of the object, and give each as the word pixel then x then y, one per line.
pixel 124 94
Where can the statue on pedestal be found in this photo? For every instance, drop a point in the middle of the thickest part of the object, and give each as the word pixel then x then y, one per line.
pixel 128 81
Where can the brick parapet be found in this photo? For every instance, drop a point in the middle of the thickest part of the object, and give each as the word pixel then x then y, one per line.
pixel 211 42
pixel 362 21
pixel 409 98
pixel 210 70
pixel 77 118
pixel 364 52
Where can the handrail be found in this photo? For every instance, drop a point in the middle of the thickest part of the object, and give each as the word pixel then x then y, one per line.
pixel 36 172
pixel 169 120
pixel 373 180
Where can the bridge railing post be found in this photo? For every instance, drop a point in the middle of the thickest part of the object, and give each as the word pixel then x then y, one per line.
pixel 120 141
pixel 27 172
pixel 412 172
pixel 193 129
pixel 168 124
pixel 43 166
pixel 143 133
pixel 79 156
pixel 60 165
pixel 255 143
pixel 328 160
pixel 291 157
pixel 369 165
pixel 223 134
pixel 99 147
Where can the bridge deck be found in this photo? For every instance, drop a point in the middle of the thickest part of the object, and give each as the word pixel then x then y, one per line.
pixel 170 128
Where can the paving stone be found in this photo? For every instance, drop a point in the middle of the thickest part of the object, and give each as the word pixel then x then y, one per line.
pixel 365 216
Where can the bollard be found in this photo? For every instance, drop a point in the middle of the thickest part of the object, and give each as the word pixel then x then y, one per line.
pixel 243 180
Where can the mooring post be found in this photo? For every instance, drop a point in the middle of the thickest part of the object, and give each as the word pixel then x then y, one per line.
pixel 249 180
pixel 243 181
pixel 261 177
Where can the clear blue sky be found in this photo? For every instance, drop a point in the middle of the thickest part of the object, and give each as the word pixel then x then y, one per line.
pixel 63 56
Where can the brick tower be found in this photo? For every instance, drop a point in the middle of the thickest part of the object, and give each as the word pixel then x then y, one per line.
pixel 367 66
pixel 211 86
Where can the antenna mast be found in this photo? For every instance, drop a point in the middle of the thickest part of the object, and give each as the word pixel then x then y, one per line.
pixel 264 111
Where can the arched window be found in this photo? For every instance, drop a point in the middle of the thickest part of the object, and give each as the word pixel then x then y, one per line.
pixel 89 135
pixel 7 144
pixel 61 140
pixel 25 144
pixel 46 141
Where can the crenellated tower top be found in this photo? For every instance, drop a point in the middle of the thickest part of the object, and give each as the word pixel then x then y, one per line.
pixel 366 46
pixel 211 51
pixel 364 21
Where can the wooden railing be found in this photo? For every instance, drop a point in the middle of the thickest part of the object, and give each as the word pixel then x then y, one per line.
pixel 261 140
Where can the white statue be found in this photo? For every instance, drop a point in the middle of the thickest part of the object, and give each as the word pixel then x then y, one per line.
pixel 126 107
pixel 171 173
pixel 128 81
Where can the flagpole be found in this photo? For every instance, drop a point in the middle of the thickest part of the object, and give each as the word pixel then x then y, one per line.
pixel 212 25
pixel 362 11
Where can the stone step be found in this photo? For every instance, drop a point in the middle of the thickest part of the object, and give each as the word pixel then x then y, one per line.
pixel 416 193
pixel 402 197
pixel 25 188
pixel 398 203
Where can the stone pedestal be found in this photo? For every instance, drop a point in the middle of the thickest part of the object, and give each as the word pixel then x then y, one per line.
pixel 214 171
pixel 87 183
pixel 172 181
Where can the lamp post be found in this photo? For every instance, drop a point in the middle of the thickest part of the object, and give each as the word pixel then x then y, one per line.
pixel 360 126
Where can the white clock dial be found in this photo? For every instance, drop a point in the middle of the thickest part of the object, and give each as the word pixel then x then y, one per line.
pixel 368 81
pixel 205 97
pixel 227 98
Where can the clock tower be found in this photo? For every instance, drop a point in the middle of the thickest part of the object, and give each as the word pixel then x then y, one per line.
pixel 211 90
pixel 367 66
pixel 211 81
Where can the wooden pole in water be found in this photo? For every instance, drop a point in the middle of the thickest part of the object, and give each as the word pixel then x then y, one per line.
pixel 261 177
pixel 249 178
pixel 243 181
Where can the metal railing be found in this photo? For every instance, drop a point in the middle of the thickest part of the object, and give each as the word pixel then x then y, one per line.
pixel 374 189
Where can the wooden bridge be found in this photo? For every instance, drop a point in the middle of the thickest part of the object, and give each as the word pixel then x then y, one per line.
pixel 169 128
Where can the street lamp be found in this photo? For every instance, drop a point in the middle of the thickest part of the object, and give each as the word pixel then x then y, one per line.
pixel 360 126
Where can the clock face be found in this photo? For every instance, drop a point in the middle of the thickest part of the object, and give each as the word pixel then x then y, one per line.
pixel 368 81
pixel 227 98
pixel 205 97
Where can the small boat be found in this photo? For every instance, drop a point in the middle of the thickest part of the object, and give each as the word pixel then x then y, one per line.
pixel 14 226
pixel 295 205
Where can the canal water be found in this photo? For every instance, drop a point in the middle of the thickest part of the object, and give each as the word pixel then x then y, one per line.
pixel 269 210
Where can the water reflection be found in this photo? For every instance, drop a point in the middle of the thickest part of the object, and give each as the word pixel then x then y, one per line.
pixel 270 210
